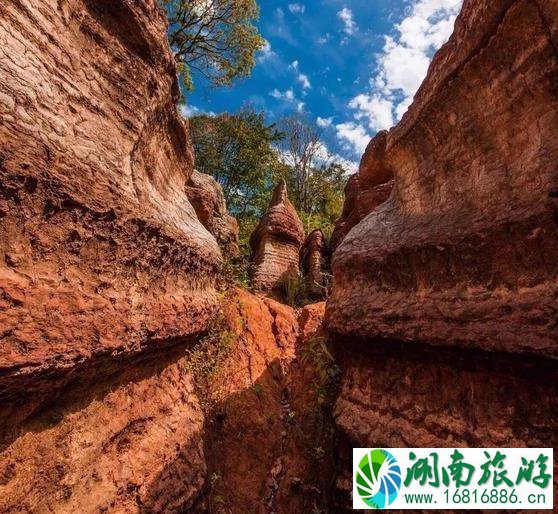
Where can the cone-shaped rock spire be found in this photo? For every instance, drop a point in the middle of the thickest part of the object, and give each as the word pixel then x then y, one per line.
pixel 276 243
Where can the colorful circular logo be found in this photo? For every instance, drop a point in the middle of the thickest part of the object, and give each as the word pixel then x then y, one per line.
pixel 378 479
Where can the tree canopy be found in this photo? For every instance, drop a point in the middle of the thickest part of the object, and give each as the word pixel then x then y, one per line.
pixel 247 157
pixel 238 150
pixel 316 182
pixel 216 38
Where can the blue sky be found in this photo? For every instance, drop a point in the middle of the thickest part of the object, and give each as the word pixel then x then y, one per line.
pixel 352 66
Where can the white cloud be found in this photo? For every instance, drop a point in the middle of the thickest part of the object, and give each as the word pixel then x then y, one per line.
pixel 373 108
pixel 301 77
pixel 346 16
pixel 404 60
pixel 266 52
pixel 355 136
pixel 324 39
pixel 324 122
pixel 191 110
pixel 350 166
pixel 323 157
pixel 285 95
pixel 297 8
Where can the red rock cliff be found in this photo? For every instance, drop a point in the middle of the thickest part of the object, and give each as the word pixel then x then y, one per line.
pixel 105 271
pixel 463 251
pixel 102 254
pixel 445 294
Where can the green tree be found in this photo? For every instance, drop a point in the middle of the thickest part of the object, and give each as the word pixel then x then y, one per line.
pixel 247 156
pixel 316 181
pixel 216 38
pixel 238 150
pixel 327 185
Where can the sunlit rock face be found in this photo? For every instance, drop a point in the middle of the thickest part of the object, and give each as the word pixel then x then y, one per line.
pixel 105 269
pixel 276 244
pixel 462 251
pixel 444 297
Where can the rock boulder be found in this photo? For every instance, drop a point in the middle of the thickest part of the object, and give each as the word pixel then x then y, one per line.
pixel 206 196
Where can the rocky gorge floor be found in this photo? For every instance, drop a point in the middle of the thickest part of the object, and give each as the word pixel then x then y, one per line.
pixel 135 378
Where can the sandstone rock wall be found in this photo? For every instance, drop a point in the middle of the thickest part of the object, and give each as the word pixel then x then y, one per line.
pixel 276 244
pixel 101 253
pixel 445 294
pixel 106 273
pixel 462 253
pixel 394 395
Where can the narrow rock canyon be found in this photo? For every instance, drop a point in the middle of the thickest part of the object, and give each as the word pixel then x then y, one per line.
pixel 135 378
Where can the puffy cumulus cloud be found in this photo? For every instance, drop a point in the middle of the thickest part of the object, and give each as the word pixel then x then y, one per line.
pixel 349 24
pixel 373 108
pixel 354 135
pixel 404 60
pixel 297 8
pixel 283 95
pixel 288 97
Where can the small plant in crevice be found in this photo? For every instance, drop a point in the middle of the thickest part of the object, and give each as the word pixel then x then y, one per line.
pixel 293 289
pixel 216 499
pixel 236 272
pixel 207 358
pixel 317 353
pixel 318 435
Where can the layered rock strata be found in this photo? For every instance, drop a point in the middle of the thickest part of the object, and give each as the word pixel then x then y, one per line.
pixel 462 253
pixel 314 264
pixel 445 295
pixel 396 395
pixel 276 244
pixel 106 273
